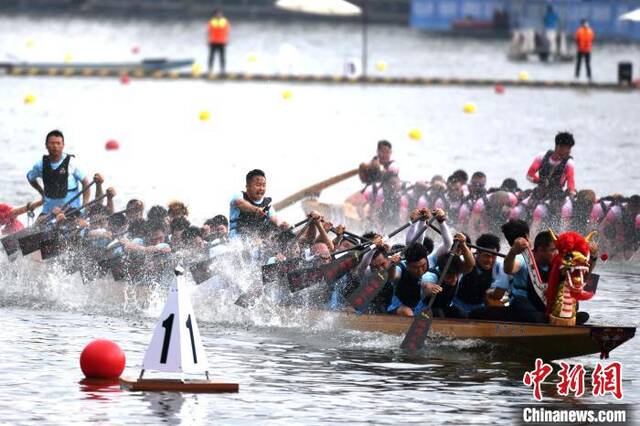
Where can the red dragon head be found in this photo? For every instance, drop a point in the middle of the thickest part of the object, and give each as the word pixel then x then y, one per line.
pixel 571 264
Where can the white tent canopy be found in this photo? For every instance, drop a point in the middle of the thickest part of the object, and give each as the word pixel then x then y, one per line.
pixel 634 15
pixel 320 7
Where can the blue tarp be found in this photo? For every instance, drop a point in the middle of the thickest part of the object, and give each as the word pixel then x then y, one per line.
pixel 602 14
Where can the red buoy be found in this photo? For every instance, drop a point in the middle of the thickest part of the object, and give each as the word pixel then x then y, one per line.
pixel 102 359
pixel 125 79
pixel 112 145
pixel 499 89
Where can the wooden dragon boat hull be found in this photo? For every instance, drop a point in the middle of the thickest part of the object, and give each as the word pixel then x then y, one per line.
pixel 523 340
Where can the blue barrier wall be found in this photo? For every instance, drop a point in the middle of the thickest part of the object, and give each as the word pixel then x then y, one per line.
pixel 602 14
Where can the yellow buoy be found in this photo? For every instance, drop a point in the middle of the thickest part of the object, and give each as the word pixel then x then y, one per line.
pixel 523 76
pixel 196 69
pixel 252 57
pixel 381 66
pixel 469 108
pixel 29 98
pixel 415 134
pixel 287 94
pixel 204 115
pixel 30 43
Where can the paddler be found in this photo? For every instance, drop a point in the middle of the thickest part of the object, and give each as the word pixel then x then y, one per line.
pixel 249 210
pixel 552 170
pixel 60 176
pixel 9 222
pixel 526 303
pixel 380 165
pixel 474 284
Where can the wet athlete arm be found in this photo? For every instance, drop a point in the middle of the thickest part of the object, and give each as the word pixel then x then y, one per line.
pixel 364 263
pixel 511 264
pixel 324 237
pixel 414 229
pixel 447 240
pixel 29 206
pixel 87 194
pixel 36 185
pixel 533 170
pixel 111 193
pixel 469 259
pixel 569 172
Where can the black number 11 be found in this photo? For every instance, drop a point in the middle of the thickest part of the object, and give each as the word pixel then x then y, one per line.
pixel 168 326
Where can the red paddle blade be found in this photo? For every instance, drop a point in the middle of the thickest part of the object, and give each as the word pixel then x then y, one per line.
pixel 50 248
pixel 30 243
pixel 371 285
pixel 303 278
pixel 10 244
pixel 418 332
pixel 340 267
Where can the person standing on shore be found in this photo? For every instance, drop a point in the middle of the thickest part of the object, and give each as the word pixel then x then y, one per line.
pixel 218 38
pixel 584 41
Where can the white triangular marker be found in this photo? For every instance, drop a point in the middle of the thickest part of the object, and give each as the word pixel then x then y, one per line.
pixel 176 345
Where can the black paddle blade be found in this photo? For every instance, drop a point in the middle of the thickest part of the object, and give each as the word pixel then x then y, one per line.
pixel 303 278
pixel 30 243
pixel 418 332
pixel 371 285
pixel 50 248
pixel 340 267
pixel 249 298
pixel 119 269
pixel 200 271
pixel 10 244
pixel 270 272
pixel 591 284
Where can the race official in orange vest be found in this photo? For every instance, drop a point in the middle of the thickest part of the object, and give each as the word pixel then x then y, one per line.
pixel 584 40
pixel 218 37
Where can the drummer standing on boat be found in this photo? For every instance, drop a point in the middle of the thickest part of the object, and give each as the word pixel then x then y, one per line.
pixel 61 178
pixel 379 165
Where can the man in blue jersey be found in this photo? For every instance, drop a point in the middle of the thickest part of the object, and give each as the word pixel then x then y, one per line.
pixel 250 211
pixel 61 178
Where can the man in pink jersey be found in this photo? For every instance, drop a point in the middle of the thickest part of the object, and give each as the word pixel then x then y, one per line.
pixel 553 170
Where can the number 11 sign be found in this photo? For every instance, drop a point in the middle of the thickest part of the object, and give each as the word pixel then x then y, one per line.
pixel 176 347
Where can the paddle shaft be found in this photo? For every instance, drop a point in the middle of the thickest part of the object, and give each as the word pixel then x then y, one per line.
pixel 486 250
pixel 313 189
pixel 444 271
pixel 66 205
pixel 369 243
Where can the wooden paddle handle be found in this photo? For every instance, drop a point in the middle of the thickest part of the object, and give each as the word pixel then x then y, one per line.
pixel 313 189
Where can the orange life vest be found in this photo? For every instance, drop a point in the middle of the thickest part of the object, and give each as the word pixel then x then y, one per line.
pixel 584 39
pixel 218 30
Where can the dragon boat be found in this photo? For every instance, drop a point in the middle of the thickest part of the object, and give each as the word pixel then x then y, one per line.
pixel 521 340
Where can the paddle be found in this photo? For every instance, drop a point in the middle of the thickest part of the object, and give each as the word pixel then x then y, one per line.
pixel 591 284
pixel 49 245
pixel 419 329
pixel 313 189
pixel 473 246
pixel 373 282
pixel 201 271
pixel 334 270
pixel 30 243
